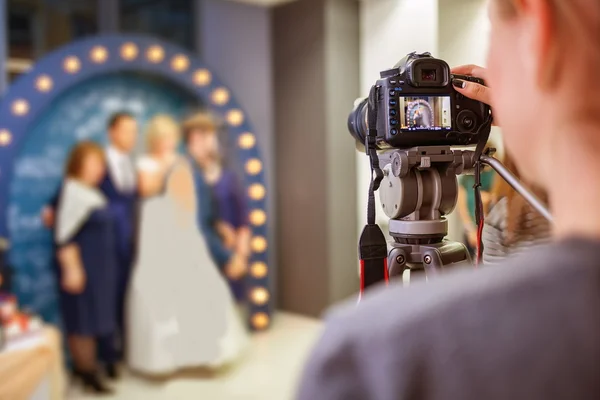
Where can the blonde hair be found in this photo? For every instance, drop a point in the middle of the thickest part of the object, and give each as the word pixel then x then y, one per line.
pixel 158 128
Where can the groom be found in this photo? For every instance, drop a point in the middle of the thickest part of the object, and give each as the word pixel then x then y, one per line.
pixel 120 188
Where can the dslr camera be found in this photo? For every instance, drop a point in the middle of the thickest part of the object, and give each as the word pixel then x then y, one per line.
pixel 416 105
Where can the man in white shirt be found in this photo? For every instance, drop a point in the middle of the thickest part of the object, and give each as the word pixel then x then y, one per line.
pixel 121 191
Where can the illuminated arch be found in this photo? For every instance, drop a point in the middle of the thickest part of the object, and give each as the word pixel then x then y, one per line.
pixel 32 93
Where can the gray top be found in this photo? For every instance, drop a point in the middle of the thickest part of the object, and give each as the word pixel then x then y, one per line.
pixel 534 231
pixel 527 331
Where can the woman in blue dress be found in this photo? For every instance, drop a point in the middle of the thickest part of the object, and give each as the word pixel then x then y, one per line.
pixel 86 254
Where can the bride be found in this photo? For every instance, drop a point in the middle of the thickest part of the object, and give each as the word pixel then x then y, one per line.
pixel 180 311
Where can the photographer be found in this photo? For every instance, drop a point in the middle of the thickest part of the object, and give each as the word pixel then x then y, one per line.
pixel 530 330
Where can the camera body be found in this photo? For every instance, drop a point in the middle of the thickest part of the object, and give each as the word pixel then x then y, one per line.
pixel 417 105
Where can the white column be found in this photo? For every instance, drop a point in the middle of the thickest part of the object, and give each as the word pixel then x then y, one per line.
pixel 390 29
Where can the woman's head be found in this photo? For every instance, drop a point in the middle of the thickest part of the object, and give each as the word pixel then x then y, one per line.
pixel 162 135
pixel 201 138
pixel 86 163
pixel 542 66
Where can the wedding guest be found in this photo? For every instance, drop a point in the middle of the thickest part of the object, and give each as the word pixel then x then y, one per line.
pixel 180 311
pixel 119 188
pixel 228 202
pixel 513 225
pixel 87 259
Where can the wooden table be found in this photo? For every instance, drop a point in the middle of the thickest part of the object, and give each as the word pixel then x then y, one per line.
pixel 26 365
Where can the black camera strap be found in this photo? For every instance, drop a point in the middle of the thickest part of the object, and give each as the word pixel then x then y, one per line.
pixel 372 246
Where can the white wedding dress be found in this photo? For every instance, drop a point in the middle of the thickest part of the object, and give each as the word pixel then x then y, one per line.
pixel 180 311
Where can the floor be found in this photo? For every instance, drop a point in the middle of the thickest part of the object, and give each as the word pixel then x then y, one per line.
pixel 269 372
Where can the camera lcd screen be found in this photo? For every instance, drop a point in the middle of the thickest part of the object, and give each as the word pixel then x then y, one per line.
pixel 425 113
pixel 429 75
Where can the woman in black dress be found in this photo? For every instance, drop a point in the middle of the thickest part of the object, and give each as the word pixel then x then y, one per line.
pixel 86 254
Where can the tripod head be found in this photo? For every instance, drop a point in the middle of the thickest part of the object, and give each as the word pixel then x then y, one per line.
pixel 419 189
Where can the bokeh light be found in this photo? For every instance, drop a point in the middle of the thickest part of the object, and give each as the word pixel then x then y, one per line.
pixel 260 321
pixel 72 64
pixel 246 141
pixel 99 54
pixel 20 107
pixel 220 96
pixel 44 83
pixel 5 137
pixel 202 77
pixel 235 117
pixel 155 54
pixel 129 51
pixel 259 270
pixel 258 217
pixel 253 166
pixel 180 63
pixel 259 296
pixel 256 191
pixel 258 244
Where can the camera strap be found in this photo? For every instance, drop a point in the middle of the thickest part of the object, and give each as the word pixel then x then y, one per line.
pixel 372 246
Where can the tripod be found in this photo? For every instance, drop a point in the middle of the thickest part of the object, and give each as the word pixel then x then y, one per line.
pixel 419 188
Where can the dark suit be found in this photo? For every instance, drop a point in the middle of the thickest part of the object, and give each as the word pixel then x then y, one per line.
pixel 206 219
pixel 123 205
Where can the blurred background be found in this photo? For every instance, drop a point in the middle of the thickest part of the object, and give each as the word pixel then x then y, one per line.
pixel 294 69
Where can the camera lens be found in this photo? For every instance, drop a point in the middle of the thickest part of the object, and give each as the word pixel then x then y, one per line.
pixel 357 122
pixel 466 121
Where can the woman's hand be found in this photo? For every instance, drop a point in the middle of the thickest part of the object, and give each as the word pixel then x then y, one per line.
pixel 472 90
pixel 227 234
pixel 73 275
pixel 73 280
pixel 242 247
pixel 237 267
pixel 48 217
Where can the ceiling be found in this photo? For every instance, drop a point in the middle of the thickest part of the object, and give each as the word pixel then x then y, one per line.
pixel 264 3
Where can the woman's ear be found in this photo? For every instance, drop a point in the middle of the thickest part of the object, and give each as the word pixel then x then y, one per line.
pixel 539 45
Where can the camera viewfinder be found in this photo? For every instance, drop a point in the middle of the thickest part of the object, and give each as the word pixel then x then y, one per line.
pixel 428 75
